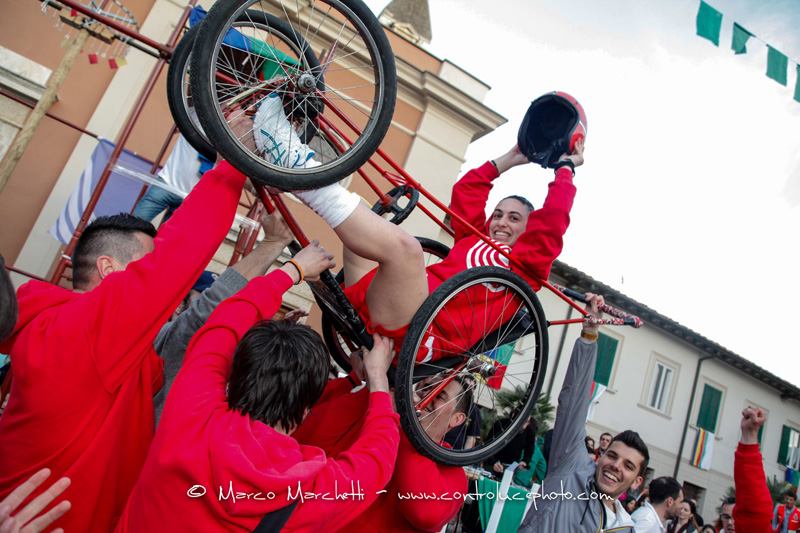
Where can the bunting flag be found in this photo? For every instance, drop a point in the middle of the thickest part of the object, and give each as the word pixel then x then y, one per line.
pixel 709 24
pixel 502 355
pixel 703 448
pixel 597 390
pixel 740 37
pixel 797 85
pixel 118 196
pixel 777 65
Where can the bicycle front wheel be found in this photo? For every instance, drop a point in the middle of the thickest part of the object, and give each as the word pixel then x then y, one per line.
pixel 484 329
pixel 236 64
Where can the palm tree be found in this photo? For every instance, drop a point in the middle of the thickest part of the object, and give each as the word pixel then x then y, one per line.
pixel 542 411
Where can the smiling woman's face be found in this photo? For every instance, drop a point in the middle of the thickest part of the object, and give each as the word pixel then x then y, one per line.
pixel 508 222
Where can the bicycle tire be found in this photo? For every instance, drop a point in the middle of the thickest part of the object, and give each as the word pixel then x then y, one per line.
pixel 179 99
pixel 368 102
pixel 336 337
pixel 484 330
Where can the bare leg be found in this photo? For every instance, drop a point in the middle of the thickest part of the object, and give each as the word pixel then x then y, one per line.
pixel 400 285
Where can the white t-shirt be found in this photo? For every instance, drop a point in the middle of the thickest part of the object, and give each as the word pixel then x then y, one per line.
pixel 182 169
pixel 646 520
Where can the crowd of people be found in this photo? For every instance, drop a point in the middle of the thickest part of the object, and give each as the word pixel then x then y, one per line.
pixel 220 418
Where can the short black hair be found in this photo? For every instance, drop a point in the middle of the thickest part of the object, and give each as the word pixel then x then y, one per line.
pixel 279 371
pixel 730 500
pixel 632 439
pixel 114 236
pixel 791 493
pixel 662 488
pixel 9 310
pixel 521 199
pixel 465 399
pixel 606 433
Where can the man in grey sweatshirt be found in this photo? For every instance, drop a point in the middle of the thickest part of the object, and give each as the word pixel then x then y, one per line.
pixel 174 337
pixel 578 495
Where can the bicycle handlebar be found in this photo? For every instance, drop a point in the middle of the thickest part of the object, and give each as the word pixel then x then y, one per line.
pixel 621 318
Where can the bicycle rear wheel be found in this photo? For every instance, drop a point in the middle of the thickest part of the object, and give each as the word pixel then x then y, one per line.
pixel 241 69
pixel 179 95
pixel 485 329
pixel 338 335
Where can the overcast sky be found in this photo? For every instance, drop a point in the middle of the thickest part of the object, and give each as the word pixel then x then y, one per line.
pixel 688 201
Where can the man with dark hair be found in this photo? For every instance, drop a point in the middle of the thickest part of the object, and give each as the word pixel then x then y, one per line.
pixel 8 304
pixel 108 243
pixel 246 384
pixel 84 368
pixel 593 488
pixel 338 418
pixel 605 441
pixel 664 501
pixel 787 516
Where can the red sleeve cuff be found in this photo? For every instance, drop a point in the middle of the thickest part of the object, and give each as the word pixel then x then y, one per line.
pixel 748 448
pixel 564 174
pixel 380 400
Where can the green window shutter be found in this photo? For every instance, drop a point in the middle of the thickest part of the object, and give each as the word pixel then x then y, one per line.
pixel 760 433
pixel 606 351
pixel 783 451
pixel 709 408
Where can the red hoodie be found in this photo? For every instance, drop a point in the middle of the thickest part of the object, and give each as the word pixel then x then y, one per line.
pixel 201 442
pixel 536 248
pixel 81 401
pixel 422 496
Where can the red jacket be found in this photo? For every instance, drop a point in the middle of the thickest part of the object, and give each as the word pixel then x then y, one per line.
pixel 85 371
pixel 794 517
pixel 421 496
pixel 753 510
pixel 537 247
pixel 201 442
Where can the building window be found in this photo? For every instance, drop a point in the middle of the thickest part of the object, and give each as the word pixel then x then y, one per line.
pixel 789 452
pixel 660 386
pixel 696 493
pixel 709 408
pixel 606 352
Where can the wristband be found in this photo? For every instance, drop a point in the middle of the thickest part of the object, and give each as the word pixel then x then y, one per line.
pixel 299 270
pixel 565 163
pixel 495 166
pixel 589 336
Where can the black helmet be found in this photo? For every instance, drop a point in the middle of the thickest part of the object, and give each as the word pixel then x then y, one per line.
pixel 551 127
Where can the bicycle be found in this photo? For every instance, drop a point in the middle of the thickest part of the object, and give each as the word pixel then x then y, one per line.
pixel 500 343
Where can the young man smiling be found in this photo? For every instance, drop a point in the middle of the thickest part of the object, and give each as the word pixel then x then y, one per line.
pixel 591 492
pixel 384 271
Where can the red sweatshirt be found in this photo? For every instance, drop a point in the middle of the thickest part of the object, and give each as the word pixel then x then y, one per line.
pixel 537 247
pixel 85 371
pixel 421 496
pixel 202 442
pixel 753 510
pixel 455 330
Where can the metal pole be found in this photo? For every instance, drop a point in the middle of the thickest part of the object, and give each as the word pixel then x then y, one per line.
pixel 689 413
pixel 55 82
pixel 123 138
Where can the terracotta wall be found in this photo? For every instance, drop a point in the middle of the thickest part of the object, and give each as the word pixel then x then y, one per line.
pixel 25 30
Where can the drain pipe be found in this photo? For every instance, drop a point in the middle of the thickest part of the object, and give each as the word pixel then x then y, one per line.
pixel 689 412
pixel 558 353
